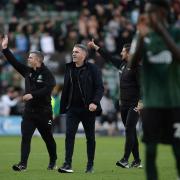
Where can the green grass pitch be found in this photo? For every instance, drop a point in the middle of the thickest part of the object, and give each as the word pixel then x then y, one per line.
pixel 108 151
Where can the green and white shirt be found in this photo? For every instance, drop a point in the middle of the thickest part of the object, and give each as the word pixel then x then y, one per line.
pixel 160 72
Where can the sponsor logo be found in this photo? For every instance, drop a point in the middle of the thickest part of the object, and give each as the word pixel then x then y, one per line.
pixel 50 122
pixel 164 57
pixel 121 70
pixel 39 79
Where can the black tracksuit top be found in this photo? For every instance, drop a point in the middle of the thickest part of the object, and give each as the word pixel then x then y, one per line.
pixel 39 83
pixel 129 79
pixel 89 81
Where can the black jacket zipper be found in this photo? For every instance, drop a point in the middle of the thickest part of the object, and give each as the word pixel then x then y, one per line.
pixel 83 98
pixel 70 96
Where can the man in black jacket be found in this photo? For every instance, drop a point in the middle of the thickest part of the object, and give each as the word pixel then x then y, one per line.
pixel 130 95
pixel 80 100
pixel 39 83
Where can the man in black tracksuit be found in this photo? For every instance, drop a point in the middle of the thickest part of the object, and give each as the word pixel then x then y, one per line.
pixel 129 97
pixel 80 100
pixel 39 83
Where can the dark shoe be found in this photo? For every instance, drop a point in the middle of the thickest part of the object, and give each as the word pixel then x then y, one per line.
pixel 19 167
pixel 89 169
pixel 52 166
pixel 136 164
pixel 122 163
pixel 66 168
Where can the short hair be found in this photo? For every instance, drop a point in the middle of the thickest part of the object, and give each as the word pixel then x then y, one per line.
pixel 161 3
pixel 127 47
pixel 39 54
pixel 83 47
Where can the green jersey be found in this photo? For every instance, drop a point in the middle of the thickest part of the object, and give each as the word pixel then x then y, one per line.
pixel 160 72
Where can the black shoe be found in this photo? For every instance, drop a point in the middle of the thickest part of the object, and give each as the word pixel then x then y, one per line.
pixel 66 168
pixel 136 164
pixel 89 169
pixel 122 163
pixel 52 166
pixel 19 167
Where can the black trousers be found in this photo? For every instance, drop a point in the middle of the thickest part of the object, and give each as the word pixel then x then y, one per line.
pixel 43 122
pixel 130 118
pixel 160 125
pixel 74 117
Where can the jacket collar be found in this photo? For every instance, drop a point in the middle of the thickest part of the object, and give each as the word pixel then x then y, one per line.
pixel 38 69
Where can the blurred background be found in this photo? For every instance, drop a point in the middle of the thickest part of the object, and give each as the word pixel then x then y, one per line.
pixel 54 26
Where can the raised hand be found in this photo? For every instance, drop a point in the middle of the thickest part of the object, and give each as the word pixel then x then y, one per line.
pixel 91 44
pixel 156 25
pixel 4 42
pixel 142 25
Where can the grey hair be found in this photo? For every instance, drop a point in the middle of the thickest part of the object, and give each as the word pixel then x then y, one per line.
pixel 83 47
pixel 39 54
